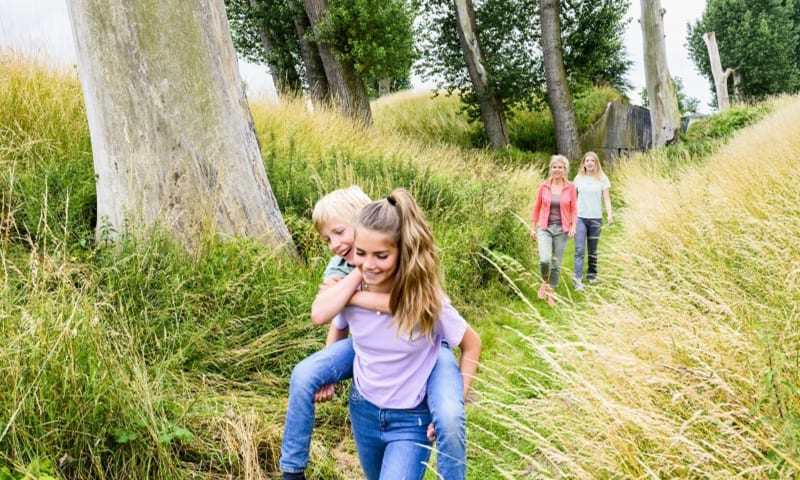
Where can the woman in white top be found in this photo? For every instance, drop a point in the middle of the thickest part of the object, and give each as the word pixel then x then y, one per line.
pixel 592 186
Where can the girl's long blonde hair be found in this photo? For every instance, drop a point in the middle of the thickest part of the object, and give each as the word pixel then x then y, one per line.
pixel 416 297
pixel 598 169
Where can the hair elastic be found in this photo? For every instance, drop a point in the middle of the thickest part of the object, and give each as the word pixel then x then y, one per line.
pixel 391 200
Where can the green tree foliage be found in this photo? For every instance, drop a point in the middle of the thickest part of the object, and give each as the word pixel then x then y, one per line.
pixel 275 19
pixel 593 38
pixel 758 38
pixel 510 33
pixel 375 34
pixel 509 36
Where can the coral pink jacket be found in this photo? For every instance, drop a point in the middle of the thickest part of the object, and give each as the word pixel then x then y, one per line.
pixel 569 205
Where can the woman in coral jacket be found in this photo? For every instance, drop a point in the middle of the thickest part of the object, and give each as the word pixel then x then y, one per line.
pixel 554 218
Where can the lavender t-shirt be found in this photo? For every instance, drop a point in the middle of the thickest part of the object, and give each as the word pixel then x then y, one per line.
pixel 390 370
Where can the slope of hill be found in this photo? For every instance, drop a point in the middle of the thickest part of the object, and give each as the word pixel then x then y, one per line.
pixel 685 361
pixel 148 361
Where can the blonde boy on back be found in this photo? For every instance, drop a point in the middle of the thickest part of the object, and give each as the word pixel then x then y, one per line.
pixel 335 217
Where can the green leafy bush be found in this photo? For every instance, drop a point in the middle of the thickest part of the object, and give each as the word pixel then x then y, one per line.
pixel 724 124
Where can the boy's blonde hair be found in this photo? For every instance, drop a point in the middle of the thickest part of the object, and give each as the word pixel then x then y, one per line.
pixel 341 205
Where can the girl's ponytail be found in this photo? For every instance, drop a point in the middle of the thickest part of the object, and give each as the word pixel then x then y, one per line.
pixel 416 297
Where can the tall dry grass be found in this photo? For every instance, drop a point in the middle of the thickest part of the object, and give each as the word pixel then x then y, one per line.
pixel 428 117
pixel 148 361
pixel 687 363
pixel 288 129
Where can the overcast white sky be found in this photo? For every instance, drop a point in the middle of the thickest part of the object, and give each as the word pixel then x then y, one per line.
pixel 42 27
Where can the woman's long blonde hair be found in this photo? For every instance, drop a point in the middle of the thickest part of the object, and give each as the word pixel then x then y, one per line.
pixel 416 297
pixel 598 169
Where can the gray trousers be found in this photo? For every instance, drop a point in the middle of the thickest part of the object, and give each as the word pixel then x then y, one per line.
pixel 552 242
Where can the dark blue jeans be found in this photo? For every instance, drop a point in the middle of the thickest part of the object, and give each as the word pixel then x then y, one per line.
pixel 392 444
pixel 587 236
pixel 335 363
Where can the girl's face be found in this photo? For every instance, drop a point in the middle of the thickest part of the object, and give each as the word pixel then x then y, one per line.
pixel 589 164
pixel 376 256
pixel 557 170
pixel 338 236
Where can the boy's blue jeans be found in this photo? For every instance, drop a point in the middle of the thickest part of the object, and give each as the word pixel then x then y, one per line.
pixel 329 365
pixel 587 236
pixel 392 444
pixel 335 363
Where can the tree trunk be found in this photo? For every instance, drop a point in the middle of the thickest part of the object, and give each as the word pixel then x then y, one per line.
pixel 558 93
pixel 665 114
pixel 384 86
pixel 348 92
pixel 287 81
pixel 173 141
pixel 492 113
pixel 720 77
pixel 315 71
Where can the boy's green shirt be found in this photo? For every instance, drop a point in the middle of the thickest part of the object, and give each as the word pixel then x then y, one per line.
pixel 337 267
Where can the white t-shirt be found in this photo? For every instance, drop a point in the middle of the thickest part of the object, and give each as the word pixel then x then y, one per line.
pixel 590 195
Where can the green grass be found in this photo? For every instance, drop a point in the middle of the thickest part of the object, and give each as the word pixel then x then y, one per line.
pixel 145 360
pixel 683 362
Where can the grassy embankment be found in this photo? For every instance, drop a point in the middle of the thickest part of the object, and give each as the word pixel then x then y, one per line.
pixel 685 362
pixel 146 361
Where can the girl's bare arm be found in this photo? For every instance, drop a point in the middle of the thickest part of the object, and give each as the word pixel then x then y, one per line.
pixel 470 347
pixel 607 201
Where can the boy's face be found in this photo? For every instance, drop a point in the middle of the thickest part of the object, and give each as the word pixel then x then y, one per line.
pixel 338 236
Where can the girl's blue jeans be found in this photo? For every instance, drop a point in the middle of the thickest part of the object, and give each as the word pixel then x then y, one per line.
pixel 392 444
pixel 587 237
pixel 335 363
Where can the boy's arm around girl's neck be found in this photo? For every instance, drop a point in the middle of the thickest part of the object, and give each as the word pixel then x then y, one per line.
pixel 333 297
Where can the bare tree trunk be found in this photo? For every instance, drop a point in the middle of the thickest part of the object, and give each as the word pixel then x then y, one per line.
pixel 558 93
pixel 492 113
pixel 173 140
pixel 720 77
pixel 737 81
pixel 384 86
pixel 347 89
pixel 665 114
pixel 315 71
pixel 287 81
